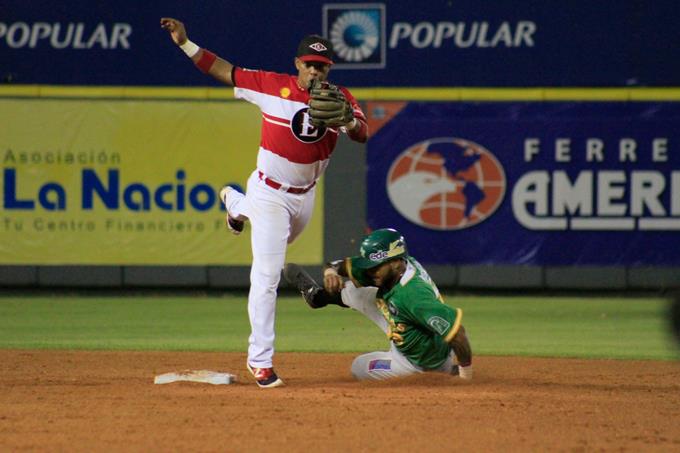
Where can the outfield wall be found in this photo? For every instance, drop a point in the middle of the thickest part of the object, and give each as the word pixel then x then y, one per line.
pixel 608 43
pixel 556 156
pixel 149 141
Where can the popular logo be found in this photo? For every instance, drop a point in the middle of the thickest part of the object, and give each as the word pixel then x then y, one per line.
pixel 357 33
pixel 446 183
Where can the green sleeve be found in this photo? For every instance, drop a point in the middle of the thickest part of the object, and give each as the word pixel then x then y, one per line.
pixel 430 313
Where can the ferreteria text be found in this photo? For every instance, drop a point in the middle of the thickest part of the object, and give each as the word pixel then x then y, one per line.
pixel 625 184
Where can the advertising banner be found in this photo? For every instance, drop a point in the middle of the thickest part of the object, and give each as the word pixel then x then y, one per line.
pixel 465 43
pixel 128 182
pixel 553 183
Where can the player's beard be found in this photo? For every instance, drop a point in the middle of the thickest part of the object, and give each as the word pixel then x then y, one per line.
pixel 389 281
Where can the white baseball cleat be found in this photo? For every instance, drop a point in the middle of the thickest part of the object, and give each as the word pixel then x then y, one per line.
pixel 234 225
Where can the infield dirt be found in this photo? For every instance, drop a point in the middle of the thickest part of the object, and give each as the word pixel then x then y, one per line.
pixel 106 401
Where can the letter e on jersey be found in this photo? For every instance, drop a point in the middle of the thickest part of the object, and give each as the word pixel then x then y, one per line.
pixel 303 130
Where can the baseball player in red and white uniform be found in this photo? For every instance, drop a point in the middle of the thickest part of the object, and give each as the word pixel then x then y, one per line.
pixel 293 154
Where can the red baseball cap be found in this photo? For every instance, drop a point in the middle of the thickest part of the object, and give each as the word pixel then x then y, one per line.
pixel 315 48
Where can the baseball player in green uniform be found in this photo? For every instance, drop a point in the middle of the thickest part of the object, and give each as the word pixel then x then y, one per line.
pixel 393 290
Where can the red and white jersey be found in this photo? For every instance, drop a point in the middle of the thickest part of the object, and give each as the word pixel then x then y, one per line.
pixel 292 151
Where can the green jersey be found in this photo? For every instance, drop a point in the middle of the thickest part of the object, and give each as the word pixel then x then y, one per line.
pixel 420 324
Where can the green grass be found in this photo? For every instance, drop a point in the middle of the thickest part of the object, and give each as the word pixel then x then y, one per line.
pixel 625 328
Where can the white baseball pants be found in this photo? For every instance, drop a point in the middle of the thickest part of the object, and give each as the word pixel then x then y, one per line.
pixel 379 365
pixel 277 218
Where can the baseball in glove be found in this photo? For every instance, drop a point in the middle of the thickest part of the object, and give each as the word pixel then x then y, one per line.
pixel 328 106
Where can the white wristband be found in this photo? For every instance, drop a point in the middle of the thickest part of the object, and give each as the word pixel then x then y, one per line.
pixel 465 372
pixel 190 48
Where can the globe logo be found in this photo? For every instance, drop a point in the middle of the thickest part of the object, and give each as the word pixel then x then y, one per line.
pixel 446 183
pixel 354 36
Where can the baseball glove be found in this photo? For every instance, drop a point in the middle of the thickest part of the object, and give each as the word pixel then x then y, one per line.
pixel 328 106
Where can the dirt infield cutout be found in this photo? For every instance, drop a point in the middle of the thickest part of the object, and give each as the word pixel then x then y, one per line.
pixel 107 401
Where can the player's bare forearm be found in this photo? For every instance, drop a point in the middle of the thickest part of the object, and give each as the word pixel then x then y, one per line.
pixel 461 347
pixel 220 69
pixel 206 61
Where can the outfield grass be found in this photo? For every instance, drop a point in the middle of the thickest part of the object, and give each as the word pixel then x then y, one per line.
pixel 621 328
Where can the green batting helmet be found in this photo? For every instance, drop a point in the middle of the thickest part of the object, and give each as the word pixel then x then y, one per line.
pixel 379 247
